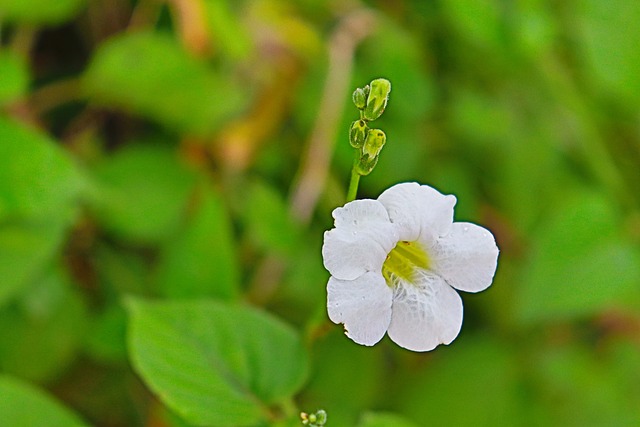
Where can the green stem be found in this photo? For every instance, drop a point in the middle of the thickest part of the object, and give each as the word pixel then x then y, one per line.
pixel 355 180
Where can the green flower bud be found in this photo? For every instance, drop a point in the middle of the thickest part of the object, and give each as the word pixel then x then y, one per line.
pixel 367 89
pixel 321 415
pixel 374 142
pixel 366 164
pixel 319 419
pixel 377 98
pixel 358 133
pixel 359 98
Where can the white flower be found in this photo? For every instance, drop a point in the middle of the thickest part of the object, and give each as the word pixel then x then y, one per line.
pixel 395 263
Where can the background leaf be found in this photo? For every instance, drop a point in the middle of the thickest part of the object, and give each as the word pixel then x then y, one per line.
pixel 25 405
pixel 25 250
pixel 14 77
pixel 144 192
pixel 39 193
pixel 474 383
pixel 201 261
pixel 150 74
pixel 40 11
pixel 215 364
pixel 37 179
pixel 611 56
pixel 373 419
pixel 43 328
pixel 581 265
pixel 268 221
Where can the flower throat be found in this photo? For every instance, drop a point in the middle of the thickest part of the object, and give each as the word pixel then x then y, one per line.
pixel 403 262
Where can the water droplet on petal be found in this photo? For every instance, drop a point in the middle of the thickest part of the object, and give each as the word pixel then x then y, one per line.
pixel 465 229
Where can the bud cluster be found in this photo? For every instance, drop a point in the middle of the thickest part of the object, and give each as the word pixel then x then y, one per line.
pixel 371 101
pixel 318 419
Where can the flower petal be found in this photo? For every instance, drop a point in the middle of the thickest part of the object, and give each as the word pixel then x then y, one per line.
pixel 466 258
pixel 361 240
pixel 425 314
pixel 360 213
pixel 419 210
pixel 363 305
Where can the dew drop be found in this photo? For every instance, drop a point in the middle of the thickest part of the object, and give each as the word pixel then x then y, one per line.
pixel 465 229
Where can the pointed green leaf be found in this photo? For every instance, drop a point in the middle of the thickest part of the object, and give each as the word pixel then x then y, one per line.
pixel 24 405
pixel 42 329
pixel 37 179
pixel 39 11
pixel 608 38
pixel 373 419
pixel 215 364
pixel 201 261
pixel 25 249
pixel 39 192
pixel 472 383
pixel 580 264
pixel 144 190
pixel 268 221
pixel 14 76
pixel 580 386
pixel 152 75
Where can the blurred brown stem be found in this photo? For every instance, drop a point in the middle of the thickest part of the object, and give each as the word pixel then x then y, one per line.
pixel 314 168
pixel 55 94
pixel 144 14
pixel 192 26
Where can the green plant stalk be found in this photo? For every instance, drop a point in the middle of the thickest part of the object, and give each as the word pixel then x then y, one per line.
pixel 355 180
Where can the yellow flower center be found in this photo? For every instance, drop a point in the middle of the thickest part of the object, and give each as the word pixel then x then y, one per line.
pixel 403 262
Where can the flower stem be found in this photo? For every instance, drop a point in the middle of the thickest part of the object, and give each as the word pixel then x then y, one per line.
pixel 353 183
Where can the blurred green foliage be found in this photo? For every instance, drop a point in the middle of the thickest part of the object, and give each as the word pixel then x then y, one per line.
pixel 156 264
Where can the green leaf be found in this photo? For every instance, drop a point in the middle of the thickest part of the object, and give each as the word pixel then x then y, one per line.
pixel 25 249
pixel 478 21
pixel 107 341
pixel 14 76
pixel 347 378
pixel 39 191
pixel 215 364
pixel 150 74
pixel 24 405
pixel 121 272
pixel 536 27
pixel 608 36
pixel 42 330
pixel 579 386
pixel 580 264
pixel 201 261
pixel 39 11
pixel 144 191
pixel 472 383
pixel 373 419
pixel 268 221
pixel 37 179
pixel 228 31
pixel 304 284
